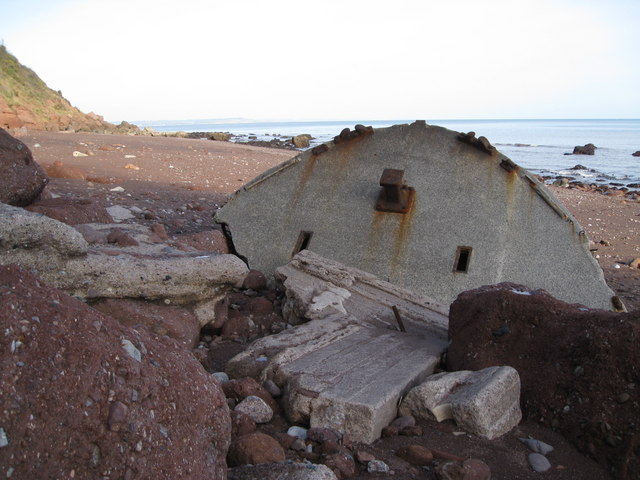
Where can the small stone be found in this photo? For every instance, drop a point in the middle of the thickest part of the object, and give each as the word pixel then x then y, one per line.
pixel 539 462
pixel 117 415
pixel 273 389
pixel 364 457
pixel 377 466
pixel 221 376
pixel 116 189
pixel 322 435
pixel 390 431
pixel 623 397
pixel 537 446
pixel 635 263
pixel 298 445
pixel 403 422
pixel 4 439
pixel 416 455
pixel 131 350
pixel 256 408
pixel 297 432
pixel 80 154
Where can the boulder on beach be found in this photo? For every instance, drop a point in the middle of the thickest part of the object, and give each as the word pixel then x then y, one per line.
pixel 301 141
pixel 220 136
pixel 586 390
pixel 83 395
pixel 22 179
pixel 588 149
pixel 636 154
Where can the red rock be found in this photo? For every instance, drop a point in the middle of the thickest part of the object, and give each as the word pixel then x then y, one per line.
pixel 471 469
pixel 22 179
pixel 160 231
pixel 241 424
pixel 71 211
pixel 493 325
pixel 240 389
pixel 175 322
pixel 364 457
pixel 322 434
pixel 255 280
pixel 58 169
pixel 390 431
pixel 416 455
pixel 121 238
pixel 74 398
pixel 342 464
pixel 253 449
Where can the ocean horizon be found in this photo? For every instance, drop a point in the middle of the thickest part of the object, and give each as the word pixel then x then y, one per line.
pixel 539 145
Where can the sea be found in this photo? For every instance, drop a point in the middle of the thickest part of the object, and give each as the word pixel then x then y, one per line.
pixel 541 146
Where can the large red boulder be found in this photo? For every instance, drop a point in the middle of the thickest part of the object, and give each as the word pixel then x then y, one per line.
pixel 82 396
pixel 579 368
pixel 22 179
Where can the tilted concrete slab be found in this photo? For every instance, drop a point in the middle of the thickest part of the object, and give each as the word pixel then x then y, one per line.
pixel 354 384
pixel 317 287
pixel 349 366
pixel 474 217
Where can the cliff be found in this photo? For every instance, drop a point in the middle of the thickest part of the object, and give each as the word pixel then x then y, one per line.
pixel 26 101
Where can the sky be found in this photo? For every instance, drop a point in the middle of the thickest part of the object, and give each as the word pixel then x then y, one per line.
pixel 333 60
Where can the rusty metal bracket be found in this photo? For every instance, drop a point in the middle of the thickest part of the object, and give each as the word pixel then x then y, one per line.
pixel 481 143
pixel 395 196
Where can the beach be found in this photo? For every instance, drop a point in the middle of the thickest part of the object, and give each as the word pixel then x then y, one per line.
pixel 193 177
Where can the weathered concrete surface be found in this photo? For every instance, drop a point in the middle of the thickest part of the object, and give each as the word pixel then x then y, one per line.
pixel 62 257
pixel 348 367
pixel 465 196
pixel 317 287
pixel 485 403
pixel 281 471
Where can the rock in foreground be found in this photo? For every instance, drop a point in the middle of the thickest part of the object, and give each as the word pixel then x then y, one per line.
pixel 85 397
pixel 22 178
pixel 579 368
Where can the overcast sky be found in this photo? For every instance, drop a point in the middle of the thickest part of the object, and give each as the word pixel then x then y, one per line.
pixel 333 60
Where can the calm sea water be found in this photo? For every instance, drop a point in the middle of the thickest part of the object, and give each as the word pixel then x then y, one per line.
pixel 538 145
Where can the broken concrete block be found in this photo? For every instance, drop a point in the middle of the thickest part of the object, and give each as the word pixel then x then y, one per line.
pixel 485 403
pixel 349 365
pixel 62 257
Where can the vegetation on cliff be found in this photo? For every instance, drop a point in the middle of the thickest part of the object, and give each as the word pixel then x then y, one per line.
pixel 26 101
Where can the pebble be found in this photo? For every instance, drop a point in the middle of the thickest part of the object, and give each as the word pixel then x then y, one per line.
pixel 297 432
pixel 537 446
pixel 256 408
pixel 116 189
pixel 403 422
pixel 298 445
pixel 539 462
pixel 4 439
pixel 623 397
pixel 221 376
pixel 377 466
pixel 273 389
pixel 131 350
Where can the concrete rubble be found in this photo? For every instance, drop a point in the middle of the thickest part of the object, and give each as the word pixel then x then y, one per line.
pixel 485 403
pixel 149 270
pixel 347 364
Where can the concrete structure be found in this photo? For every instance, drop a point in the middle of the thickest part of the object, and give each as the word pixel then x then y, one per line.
pixel 348 367
pixel 467 216
pixel 485 403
